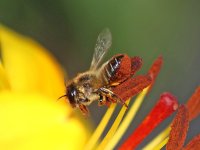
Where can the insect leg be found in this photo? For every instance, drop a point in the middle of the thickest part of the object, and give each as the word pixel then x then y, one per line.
pixel 103 100
pixel 112 96
pixel 84 109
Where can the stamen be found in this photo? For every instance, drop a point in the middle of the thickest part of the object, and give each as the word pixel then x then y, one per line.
pixel 141 82
pixel 161 145
pixel 113 128
pixel 99 130
pixel 166 105
pixel 127 120
pixel 155 69
pixel 136 64
pixel 193 104
pixel 179 129
pixel 132 86
pixel 158 139
pixel 194 144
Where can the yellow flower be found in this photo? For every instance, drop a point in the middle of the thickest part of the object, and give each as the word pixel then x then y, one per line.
pixel 31 117
pixel 30 82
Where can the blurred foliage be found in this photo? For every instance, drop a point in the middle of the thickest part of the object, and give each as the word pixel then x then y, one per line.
pixel 141 27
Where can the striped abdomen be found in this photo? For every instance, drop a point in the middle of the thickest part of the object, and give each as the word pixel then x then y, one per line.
pixel 119 68
pixel 111 69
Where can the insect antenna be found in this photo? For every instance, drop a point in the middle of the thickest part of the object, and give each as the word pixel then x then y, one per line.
pixel 61 97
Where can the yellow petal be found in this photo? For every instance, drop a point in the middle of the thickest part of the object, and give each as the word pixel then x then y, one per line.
pixel 29 66
pixel 35 122
pixel 4 83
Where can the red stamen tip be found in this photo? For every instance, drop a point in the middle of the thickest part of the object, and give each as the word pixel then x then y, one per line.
pixel 194 144
pixel 136 64
pixel 179 129
pixel 155 68
pixel 169 99
pixel 132 86
pixel 193 104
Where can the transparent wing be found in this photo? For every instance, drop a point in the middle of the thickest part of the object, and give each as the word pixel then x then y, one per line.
pixel 103 43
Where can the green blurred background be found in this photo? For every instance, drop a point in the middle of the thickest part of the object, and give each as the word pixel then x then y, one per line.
pixel 147 28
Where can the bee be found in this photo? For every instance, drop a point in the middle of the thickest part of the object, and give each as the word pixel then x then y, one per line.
pixel 96 84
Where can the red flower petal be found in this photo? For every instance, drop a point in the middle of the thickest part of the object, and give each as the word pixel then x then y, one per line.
pixel 132 86
pixel 179 129
pixel 166 105
pixel 194 144
pixel 193 104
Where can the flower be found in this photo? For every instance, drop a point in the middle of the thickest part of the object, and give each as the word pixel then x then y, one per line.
pixel 180 125
pixel 166 105
pixel 31 80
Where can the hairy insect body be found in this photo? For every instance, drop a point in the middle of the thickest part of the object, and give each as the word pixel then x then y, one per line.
pixel 82 90
pixel 97 83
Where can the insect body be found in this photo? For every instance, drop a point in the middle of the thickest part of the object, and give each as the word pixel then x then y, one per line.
pixel 97 83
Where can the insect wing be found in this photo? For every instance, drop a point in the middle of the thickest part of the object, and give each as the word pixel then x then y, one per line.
pixel 103 43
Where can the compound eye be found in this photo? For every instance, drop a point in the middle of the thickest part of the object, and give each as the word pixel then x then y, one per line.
pixel 71 94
